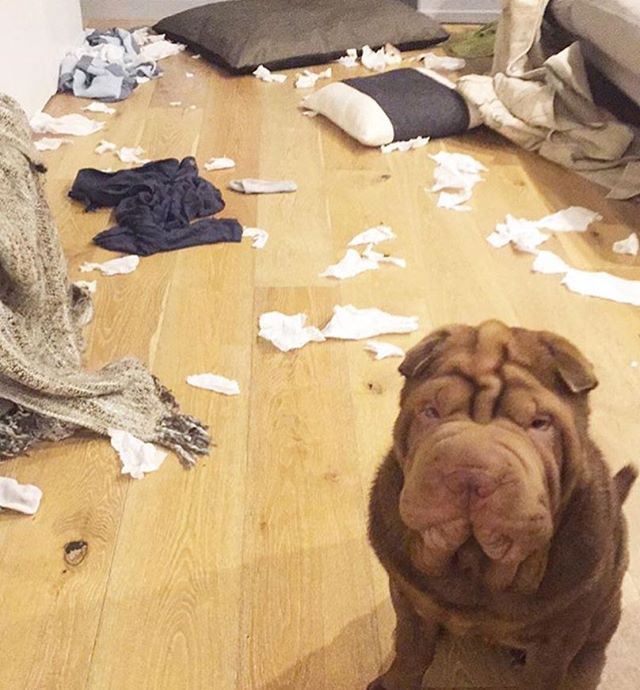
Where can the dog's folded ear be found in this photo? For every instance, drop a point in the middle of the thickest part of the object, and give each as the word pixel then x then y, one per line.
pixel 573 367
pixel 421 356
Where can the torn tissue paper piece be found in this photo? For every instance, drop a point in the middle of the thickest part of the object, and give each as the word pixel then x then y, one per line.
pixel 158 50
pixel 441 63
pixel 175 104
pixel 350 323
pixel 628 246
pixel 105 146
pixel 455 171
pixel 308 79
pixel 378 60
pixel 258 237
pixel 288 332
pixel 189 75
pixel 407 145
pixel 90 285
pixel 131 155
pixel 351 264
pixel 197 56
pixel 253 186
pixel 382 350
pixel 137 456
pixel 379 258
pixel 99 107
pixel 374 235
pixel 75 124
pixel 113 267
pixel 23 498
pixel 350 59
pixel 222 163
pixel 215 383
pixel 49 143
pixel 525 235
pixel 591 284
pixel 262 73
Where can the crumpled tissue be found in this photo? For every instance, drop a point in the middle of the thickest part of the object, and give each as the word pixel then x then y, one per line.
pixel 23 498
pixel 407 145
pixel 215 383
pixel 258 237
pixel 266 75
pixel 288 332
pixel 254 186
pixel 138 457
pixel 382 350
pixel 120 266
pixel 456 171
pixel 307 79
pixel 221 163
pixel 374 235
pixel 75 124
pixel 351 323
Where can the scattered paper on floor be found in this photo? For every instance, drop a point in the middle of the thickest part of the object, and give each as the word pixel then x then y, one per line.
pixel 132 155
pixel 215 383
pixel 266 75
pixel 441 63
pixel 158 50
pixel 288 332
pixel 374 235
pixel 105 146
pixel 407 145
pixel 189 75
pixel 307 79
pixel 629 245
pixel 351 264
pixel 350 59
pixel 75 124
pixel 258 237
pixel 22 498
pixel 138 457
pixel 220 163
pixel 120 266
pixel 253 186
pixel 572 219
pixel 99 107
pixel 455 171
pixel 351 323
pixel 175 104
pixel 378 60
pixel 590 283
pixel 49 143
pixel 382 350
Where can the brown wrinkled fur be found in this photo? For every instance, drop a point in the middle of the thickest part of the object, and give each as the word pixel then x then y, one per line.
pixel 565 619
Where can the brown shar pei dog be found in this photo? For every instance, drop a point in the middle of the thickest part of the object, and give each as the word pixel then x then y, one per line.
pixel 494 512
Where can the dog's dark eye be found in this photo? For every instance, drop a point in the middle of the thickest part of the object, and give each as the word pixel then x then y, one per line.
pixel 430 412
pixel 541 423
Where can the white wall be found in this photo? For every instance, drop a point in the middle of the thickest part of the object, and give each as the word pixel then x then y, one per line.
pixel 462 11
pixel 147 10
pixel 36 34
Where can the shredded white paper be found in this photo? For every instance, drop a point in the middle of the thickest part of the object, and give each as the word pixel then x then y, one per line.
pixel 119 266
pixel 455 171
pixel 99 107
pixel 407 145
pixel 383 350
pixel 258 237
pixel 215 383
pixel 629 245
pixel 288 332
pixel 22 498
pixel 105 146
pixel 440 62
pixel 351 264
pixel 266 75
pixel 350 59
pixel 221 163
pixel 351 323
pixel 374 235
pixel 131 155
pixel 138 457
pixel 75 124
pixel 49 143
pixel 307 79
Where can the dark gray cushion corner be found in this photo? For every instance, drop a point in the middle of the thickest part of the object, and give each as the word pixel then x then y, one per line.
pixel 280 34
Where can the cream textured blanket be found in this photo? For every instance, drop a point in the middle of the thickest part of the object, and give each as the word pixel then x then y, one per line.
pixel 546 105
pixel 44 391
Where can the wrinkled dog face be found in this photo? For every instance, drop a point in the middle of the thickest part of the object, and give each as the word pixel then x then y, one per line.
pixel 487 439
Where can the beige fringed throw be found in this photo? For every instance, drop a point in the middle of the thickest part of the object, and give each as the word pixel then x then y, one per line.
pixel 44 391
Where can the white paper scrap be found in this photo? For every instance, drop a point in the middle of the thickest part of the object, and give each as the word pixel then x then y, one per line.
pixel 258 237
pixel 137 456
pixel 105 146
pixel 49 143
pixel 264 74
pixel 221 163
pixel 307 79
pixel 254 186
pixel 189 75
pixel 350 59
pixel 351 264
pixel 175 104
pixel 113 267
pixel 441 63
pixel 374 235
pixel 215 383
pixel 160 49
pixel 131 155
pixel 99 107
pixel 382 350
pixel 550 263
pixel 23 498
pixel 572 219
pixel 75 124
pixel 351 323
pixel 455 171
pixel 379 258
pixel 629 245
pixel 378 60
pixel 407 145
pixel 524 234
pixel 288 332
pixel 454 201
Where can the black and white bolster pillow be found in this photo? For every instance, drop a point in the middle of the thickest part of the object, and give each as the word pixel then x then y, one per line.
pixel 395 106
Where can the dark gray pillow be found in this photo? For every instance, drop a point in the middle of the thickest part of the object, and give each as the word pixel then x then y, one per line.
pixel 242 34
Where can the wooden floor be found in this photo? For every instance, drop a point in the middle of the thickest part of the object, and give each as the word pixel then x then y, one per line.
pixel 252 571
